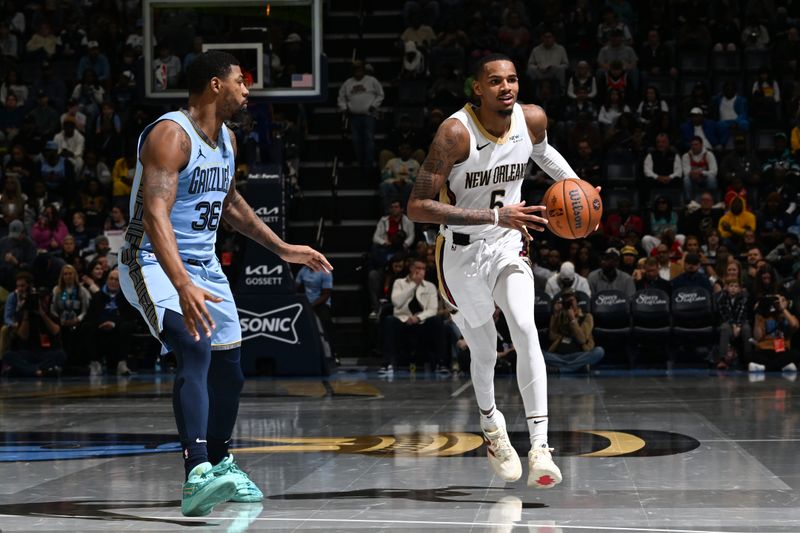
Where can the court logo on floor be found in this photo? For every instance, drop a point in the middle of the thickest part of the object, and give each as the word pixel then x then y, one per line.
pixel 46 446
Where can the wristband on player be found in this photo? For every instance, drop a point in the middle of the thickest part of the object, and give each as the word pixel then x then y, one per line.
pixel 496 216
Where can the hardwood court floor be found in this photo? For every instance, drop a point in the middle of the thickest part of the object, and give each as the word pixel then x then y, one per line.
pixel 646 452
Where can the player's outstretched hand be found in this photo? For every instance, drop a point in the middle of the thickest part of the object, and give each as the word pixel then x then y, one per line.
pixel 521 217
pixel 193 304
pixel 305 255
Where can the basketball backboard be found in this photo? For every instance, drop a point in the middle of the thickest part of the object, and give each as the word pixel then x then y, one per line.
pixel 278 43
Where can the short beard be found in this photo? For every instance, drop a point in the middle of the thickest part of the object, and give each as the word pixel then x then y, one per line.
pixel 505 112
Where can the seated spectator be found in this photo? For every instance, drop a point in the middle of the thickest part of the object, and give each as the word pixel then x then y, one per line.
pixel 13 85
pixel 381 282
pixel 122 180
pixel 96 61
pixel 781 167
pixel 95 277
pixel 403 133
pixel 93 204
pixel 622 221
pixel 56 172
pixel 571 343
pixel 14 305
pixel 740 163
pixel 711 248
pixel 17 252
pixel 567 278
pixel 70 144
pixel 167 69
pixel 11 119
pixel 691 275
pixel 667 268
pixel 612 109
pixel 699 126
pixel 111 320
pixel 766 98
pixel 116 221
pixel 79 231
pixel 446 90
pixel 398 176
pixel 703 220
pixel 49 231
pixel 774 328
pixel 662 217
pixel 584 129
pixel 609 277
pixel 19 165
pixel 736 220
pixel 69 306
pixel 89 93
pixel 51 85
pixel 9 45
pixel 420 34
pixel 654 58
pixel 94 170
pixel 582 77
pixel 753 260
pixel 414 66
pixel 73 113
pixel 630 258
pixel 587 166
pixel 653 113
pixel 35 341
pixel 732 112
pixel 102 252
pixel 662 165
pixel 12 201
pixel 773 221
pixel 514 36
pixel 699 169
pixel 393 234
pixel 318 287
pixel 733 324
pixel 42 45
pixel 609 25
pixel 617 78
pixel 785 255
pixel 414 320
pixel 44 117
pixel 580 104
pixel 693 34
pixel 548 60
pixel 649 276
pixel 108 132
pixel 617 50
pixel 765 282
pixel 71 255
pixel 72 40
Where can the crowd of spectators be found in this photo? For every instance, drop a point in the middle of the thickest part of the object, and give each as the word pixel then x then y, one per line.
pixel 686 112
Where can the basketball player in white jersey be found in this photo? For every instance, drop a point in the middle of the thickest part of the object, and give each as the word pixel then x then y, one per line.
pixel 474 169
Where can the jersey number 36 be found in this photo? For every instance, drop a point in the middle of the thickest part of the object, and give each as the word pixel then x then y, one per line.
pixel 209 216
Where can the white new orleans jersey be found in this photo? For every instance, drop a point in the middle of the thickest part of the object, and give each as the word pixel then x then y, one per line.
pixel 492 174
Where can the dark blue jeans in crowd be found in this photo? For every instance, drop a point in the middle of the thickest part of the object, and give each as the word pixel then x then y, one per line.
pixel 27 362
pixel 574 361
pixel 362 129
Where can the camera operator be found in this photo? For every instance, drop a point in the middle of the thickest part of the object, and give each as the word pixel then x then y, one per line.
pixel 35 340
pixel 572 345
pixel 773 331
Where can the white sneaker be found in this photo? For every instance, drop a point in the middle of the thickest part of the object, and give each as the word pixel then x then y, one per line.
pixel 755 367
pixel 542 471
pixel 386 370
pixel 502 456
pixel 791 367
pixel 95 368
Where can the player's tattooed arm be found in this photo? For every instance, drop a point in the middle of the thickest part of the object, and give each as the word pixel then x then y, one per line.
pixel 165 151
pixel 449 146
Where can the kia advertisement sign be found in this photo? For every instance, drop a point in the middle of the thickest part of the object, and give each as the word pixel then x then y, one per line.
pixel 280 332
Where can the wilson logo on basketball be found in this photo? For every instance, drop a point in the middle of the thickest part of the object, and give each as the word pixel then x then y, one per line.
pixel 577 207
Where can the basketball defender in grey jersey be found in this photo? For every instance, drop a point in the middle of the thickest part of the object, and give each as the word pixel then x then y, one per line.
pixel 184 185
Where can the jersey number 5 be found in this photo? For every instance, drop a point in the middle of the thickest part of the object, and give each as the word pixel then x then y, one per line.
pixel 497 198
pixel 209 216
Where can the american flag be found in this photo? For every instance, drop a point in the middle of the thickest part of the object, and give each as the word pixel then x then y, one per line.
pixel 302 81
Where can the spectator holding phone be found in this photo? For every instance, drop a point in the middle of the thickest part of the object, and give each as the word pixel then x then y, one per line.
pixel 773 331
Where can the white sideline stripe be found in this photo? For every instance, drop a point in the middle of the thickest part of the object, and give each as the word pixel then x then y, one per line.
pixel 461 389
pixel 435 523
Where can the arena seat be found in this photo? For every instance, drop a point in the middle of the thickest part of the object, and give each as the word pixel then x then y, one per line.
pixel 612 316
pixel 692 312
pixel 650 313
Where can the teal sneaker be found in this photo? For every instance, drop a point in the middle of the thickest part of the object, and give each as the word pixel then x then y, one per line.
pixel 204 489
pixel 246 490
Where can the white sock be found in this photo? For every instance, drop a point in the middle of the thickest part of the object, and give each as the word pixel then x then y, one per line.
pixel 493 420
pixel 513 294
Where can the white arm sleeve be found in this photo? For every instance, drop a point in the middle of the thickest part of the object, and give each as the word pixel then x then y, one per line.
pixel 553 163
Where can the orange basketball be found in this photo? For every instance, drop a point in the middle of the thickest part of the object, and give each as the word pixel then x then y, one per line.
pixel 573 209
